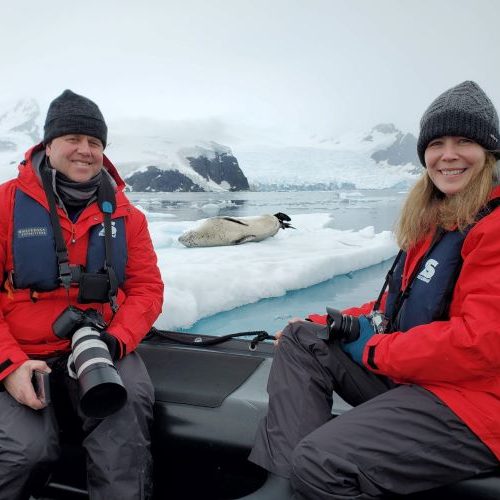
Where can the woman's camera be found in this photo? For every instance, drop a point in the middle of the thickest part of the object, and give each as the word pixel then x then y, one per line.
pixel 343 327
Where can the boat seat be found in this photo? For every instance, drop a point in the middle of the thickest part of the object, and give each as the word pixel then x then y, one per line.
pixel 274 488
pixel 485 487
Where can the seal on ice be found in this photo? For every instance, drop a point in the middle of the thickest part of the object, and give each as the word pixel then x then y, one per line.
pixel 220 231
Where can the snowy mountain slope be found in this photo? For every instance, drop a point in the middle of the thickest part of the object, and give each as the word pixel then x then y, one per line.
pixel 354 160
pixel 21 120
pixel 346 161
pixel 19 129
pixel 134 145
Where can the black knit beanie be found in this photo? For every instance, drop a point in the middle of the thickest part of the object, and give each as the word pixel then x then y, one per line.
pixel 464 110
pixel 71 113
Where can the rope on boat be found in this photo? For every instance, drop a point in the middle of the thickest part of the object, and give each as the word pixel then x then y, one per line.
pixel 204 341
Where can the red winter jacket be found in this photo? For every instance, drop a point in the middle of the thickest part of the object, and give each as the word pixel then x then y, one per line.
pixel 458 359
pixel 26 325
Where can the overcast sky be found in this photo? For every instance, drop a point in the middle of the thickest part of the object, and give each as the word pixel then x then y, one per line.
pixel 293 68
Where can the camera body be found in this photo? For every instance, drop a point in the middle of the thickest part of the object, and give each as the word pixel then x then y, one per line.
pixel 73 318
pixel 378 321
pixel 102 392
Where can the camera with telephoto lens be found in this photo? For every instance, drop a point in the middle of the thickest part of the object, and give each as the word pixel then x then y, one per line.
pixel 345 327
pixel 102 392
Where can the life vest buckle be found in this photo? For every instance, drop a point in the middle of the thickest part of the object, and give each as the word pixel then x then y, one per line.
pixel 65 274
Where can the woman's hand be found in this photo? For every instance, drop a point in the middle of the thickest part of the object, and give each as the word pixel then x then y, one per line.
pixel 279 333
pixel 356 347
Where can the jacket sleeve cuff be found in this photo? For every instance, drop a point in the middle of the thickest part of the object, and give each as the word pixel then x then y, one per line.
pixel 8 365
pixel 370 353
pixel 116 347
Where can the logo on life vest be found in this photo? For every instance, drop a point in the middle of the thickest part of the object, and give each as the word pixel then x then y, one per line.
pixel 113 229
pixel 31 232
pixel 428 271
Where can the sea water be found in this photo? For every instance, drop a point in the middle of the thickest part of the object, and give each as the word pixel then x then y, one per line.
pixel 351 209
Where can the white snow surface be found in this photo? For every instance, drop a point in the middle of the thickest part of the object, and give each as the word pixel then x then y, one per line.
pixel 200 282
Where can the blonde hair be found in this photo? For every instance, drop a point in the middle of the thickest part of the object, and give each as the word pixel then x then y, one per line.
pixel 427 208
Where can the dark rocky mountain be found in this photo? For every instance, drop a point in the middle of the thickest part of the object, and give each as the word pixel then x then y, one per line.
pixel 155 179
pixel 401 152
pixel 223 169
pixel 219 169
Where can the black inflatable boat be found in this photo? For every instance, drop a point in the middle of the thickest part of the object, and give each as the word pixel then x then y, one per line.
pixel 209 400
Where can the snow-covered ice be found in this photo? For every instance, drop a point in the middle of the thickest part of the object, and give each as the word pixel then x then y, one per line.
pixel 200 282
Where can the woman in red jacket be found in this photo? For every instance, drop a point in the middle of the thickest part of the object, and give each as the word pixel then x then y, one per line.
pixel 426 397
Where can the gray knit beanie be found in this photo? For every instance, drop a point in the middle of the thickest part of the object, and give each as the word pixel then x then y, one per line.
pixel 71 113
pixel 464 110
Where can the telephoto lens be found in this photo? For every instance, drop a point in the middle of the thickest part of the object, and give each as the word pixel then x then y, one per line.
pixel 101 389
pixel 343 327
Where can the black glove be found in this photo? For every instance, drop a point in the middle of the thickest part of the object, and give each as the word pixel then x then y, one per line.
pixel 115 347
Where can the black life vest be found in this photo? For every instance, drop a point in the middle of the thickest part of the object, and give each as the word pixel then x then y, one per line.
pixel 33 245
pixel 430 289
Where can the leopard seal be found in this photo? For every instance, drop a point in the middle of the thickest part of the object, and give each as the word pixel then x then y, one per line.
pixel 223 231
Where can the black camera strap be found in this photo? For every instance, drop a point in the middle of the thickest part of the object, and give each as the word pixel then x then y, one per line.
pixel 106 201
pixel 388 278
pixel 61 249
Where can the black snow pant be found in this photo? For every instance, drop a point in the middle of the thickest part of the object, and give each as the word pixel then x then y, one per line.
pixel 398 439
pixel 118 447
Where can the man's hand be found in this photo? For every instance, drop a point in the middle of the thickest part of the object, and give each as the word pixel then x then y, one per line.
pixel 279 333
pixel 18 383
pixel 115 347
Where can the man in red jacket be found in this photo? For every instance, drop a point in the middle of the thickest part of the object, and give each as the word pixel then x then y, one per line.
pixel 70 241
